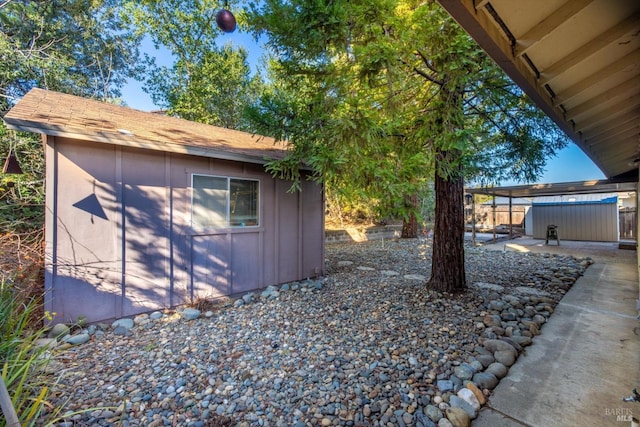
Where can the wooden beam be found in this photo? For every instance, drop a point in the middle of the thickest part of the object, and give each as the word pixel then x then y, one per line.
pixel 604 73
pixel 621 91
pixel 624 105
pixel 480 4
pixel 629 25
pixel 614 127
pixel 614 130
pixel 616 118
pixel 542 29
pixel 617 108
pixel 623 136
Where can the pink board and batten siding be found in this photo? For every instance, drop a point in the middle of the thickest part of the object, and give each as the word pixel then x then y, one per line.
pixel 118 217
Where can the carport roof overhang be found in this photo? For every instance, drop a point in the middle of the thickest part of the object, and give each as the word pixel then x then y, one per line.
pixel 563 188
pixel 578 60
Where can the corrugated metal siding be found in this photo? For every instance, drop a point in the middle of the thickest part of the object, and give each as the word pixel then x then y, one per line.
pixel 589 222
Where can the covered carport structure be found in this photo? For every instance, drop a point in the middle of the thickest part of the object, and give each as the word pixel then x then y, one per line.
pixel 579 61
pixel 552 189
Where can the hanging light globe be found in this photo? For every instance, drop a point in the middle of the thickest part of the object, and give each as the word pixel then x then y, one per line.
pixel 226 21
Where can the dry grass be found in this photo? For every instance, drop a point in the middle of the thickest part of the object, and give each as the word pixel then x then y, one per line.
pixel 22 262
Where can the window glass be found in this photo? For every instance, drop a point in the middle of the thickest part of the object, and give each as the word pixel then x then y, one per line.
pixel 243 203
pixel 222 201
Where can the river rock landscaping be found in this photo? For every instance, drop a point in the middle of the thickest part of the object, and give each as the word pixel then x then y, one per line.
pixel 368 345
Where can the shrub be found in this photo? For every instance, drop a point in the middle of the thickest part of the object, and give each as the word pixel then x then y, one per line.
pixel 22 363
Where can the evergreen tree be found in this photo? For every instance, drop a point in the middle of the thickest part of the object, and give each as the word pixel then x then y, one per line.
pixel 387 94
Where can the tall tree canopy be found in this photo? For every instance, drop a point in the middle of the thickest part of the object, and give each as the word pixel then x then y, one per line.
pixel 390 93
pixel 74 46
pixel 80 47
pixel 207 83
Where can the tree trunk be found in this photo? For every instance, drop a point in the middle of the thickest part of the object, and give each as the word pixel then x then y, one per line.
pixel 410 225
pixel 447 262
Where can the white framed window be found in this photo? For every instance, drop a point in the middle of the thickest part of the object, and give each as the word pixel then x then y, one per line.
pixel 219 201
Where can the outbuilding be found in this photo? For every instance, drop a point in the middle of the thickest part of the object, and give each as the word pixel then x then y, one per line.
pixel 145 211
pixel 596 210
pixel 590 217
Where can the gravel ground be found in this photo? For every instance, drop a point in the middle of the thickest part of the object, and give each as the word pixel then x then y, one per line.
pixel 368 345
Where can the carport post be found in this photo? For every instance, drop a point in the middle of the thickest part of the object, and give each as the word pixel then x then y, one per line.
pixel 493 208
pixel 637 230
pixel 473 219
pixel 510 217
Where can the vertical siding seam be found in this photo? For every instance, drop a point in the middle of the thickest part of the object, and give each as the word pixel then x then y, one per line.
pixel 261 257
pixel 53 226
pixel 322 230
pixel 123 247
pixel 191 272
pixel 230 263
pixel 276 228
pixel 300 271
pixel 169 224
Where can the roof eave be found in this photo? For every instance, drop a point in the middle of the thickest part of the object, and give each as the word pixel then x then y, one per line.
pixel 561 188
pixel 131 141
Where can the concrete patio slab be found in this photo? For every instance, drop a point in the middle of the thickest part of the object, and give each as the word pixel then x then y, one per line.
pixel 588 355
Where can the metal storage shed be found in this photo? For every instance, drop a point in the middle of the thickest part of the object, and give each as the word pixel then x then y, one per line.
pixel 581 217
pixel 583 210
pixel 145 211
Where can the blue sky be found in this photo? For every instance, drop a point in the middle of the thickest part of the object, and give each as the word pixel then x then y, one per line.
pixel 571 164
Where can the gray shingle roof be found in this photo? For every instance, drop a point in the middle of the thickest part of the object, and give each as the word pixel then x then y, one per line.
pixel 58 114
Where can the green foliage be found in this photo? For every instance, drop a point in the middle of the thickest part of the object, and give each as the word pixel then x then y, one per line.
pixel 22 196
pixel 214 91
pixel 22 363
pixel 207 83
pixel 377 96
pixel 74 46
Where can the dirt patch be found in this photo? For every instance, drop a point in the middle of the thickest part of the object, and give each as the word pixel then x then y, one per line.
pixel 22 262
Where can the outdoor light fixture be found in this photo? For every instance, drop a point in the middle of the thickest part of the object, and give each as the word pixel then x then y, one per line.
pixel 226 21
pixel 11 165
pixel 467 198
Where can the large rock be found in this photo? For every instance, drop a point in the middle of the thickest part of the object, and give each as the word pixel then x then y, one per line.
pixel 497 345
pixel 513 343
pixel 498 369
pixel 457 402
pixel 477 392
pixel 78 339
pixel 469 396
pixel 445 385
pixel 492 320
pixel 190 313
pixel 507 358
pixel 59 331
pixel 485 380
pixel 141 319
pixel 522 340
pixel 124 323
pixel 433 412
pixel 458 417
pixel 464 372
pixel 49 343
pixel 485 359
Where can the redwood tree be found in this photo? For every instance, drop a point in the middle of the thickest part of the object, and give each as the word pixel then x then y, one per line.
pixel 393 92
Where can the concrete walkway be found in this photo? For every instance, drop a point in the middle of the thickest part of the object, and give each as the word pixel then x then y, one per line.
pixel 588 356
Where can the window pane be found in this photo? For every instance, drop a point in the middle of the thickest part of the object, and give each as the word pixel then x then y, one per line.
pixel 209 201
pixel 243 209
